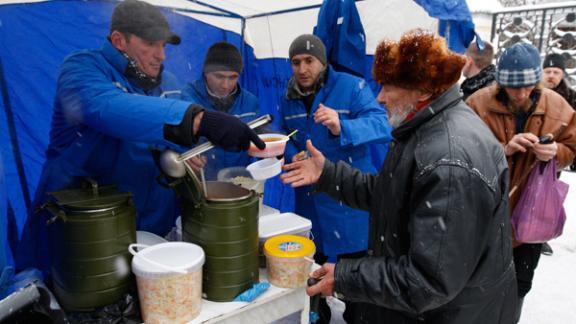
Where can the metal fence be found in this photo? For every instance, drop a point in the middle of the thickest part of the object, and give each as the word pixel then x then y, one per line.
pixel 552 29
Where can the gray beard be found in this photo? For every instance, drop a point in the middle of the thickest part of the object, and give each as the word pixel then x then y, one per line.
pixel 396 119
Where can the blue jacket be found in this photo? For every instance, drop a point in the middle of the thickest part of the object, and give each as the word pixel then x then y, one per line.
pixel 245 107
pixel 337 229
pixel 102 127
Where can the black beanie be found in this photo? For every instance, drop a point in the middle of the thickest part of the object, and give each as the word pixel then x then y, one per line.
pixel 308 44
pixel 223 56
pixel 554 60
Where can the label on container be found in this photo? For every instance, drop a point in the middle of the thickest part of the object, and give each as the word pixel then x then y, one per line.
pixel 290 246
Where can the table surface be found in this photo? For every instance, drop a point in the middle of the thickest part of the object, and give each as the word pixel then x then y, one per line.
pixel 275 303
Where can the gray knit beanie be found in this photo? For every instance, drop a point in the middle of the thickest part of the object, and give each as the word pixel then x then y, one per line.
pixel 308 44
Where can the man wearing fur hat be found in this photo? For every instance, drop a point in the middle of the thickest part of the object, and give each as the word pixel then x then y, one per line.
pixel 438 249
pixel 340 113
pixel 518 111
pixel 218 90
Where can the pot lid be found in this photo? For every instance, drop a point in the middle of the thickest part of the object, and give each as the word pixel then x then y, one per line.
pixel 94 198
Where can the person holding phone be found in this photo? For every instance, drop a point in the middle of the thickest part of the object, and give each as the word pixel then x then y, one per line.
pixel 520 112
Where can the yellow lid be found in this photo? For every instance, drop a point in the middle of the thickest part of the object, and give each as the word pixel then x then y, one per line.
pixel 289 246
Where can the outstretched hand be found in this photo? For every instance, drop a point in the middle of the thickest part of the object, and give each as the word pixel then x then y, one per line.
pixel 304 172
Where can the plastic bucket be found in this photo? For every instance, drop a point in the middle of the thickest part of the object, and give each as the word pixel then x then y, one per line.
pixel 289 260
pixel 169 280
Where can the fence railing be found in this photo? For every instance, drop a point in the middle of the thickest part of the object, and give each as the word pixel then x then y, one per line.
pixel 552 29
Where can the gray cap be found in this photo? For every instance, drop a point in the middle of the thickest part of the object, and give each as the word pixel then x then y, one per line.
pixel 308 44
pixel 143 20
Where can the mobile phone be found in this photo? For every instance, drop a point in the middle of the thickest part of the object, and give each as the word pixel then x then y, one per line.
pixel 545 139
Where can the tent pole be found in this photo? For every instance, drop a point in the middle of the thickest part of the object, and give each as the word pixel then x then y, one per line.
pixel 14 138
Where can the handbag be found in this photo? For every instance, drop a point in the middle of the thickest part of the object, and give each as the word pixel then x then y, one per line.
pixel 539 215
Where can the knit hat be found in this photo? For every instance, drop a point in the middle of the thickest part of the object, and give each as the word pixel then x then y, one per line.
pixel 223 56
pixel 308 44
pixel 143 20
pixel 519 66
pixel 554 60
pixel 420 60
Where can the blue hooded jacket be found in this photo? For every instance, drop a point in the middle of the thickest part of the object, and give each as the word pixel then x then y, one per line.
pixel 337 229
pixel 245 107
pixel 103 126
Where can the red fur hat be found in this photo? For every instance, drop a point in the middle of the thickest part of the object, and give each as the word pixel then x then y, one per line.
pixel 420 60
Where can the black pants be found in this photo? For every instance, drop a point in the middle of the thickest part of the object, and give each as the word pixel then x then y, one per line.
pixel 526 257
pixel 323 308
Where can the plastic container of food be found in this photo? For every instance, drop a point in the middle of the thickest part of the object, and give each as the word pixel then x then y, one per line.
pixel 265 168
pixel 275 146
pixel 281 224
pixel 289 260
pixel 169 281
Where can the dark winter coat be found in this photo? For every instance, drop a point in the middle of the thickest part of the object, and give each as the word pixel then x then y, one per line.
pixel 483 79
pixel 439 245
pixel 567 93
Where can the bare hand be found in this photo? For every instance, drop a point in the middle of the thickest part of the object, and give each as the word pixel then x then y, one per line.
pixel 329 118
pixel 304 172
pixel 521 142
pixel 545 152
pixel 326 285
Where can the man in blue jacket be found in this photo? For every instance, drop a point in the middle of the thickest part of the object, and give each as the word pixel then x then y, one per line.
pixel 111 106
pixel 218 90
pixel 339 112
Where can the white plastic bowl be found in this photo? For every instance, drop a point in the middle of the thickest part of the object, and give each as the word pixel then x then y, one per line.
pixel 275 146
pixel 265 169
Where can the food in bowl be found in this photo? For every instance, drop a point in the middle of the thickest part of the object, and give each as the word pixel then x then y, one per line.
pixel 275 146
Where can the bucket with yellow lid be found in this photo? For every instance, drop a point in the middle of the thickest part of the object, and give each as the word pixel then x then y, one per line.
pixel 289 260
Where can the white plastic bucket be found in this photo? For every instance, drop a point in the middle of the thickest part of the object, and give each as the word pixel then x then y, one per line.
pixel 169 280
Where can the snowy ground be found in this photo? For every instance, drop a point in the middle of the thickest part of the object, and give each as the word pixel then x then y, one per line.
pixel 552 299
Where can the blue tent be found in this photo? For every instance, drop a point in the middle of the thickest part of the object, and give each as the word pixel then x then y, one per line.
pixel 35 37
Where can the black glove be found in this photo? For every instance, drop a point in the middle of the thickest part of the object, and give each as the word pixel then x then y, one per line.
pixel 228 131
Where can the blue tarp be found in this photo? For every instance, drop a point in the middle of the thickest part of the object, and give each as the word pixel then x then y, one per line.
pixel 455 21
pixel 36 37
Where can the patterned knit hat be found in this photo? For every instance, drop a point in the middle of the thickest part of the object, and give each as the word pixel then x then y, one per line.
pixel 519 66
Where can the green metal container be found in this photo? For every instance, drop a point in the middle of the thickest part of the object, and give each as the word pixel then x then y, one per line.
pixel 89 237
pixel 224 223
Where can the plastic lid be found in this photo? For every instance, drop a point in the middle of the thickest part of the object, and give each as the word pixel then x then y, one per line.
pixel 167 259
pixel 289 246
pixel 285 223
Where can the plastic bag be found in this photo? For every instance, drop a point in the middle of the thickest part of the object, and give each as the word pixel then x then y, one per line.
pixel 539 215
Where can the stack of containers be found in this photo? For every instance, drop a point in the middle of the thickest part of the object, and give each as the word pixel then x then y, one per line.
pixel 169 280
pixel 281 224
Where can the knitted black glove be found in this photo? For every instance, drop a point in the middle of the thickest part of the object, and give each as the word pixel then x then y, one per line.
pixel 228 132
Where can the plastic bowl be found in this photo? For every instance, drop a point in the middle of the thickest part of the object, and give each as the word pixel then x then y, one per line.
pixel 265 169
pixel 275 146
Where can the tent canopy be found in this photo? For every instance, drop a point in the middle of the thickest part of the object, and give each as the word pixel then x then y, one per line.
pixel 36 36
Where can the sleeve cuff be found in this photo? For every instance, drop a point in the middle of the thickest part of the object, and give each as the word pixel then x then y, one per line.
pixel 182 134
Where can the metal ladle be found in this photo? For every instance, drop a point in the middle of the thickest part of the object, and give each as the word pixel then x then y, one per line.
pixel 173 164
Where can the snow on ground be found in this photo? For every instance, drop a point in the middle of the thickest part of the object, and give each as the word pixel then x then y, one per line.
pixel 552 299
